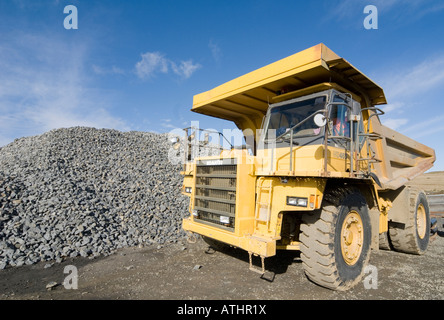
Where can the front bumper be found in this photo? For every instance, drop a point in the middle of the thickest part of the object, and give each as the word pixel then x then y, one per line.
pixel 262 246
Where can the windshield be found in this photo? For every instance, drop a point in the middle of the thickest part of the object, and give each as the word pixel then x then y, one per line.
pixel 282 118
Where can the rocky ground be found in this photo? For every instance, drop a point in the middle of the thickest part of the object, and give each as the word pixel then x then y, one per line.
pixel 105 206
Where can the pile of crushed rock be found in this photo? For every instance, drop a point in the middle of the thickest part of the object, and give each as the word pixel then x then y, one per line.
pixel 87 192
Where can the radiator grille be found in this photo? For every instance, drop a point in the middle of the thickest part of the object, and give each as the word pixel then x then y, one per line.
pixel 215 195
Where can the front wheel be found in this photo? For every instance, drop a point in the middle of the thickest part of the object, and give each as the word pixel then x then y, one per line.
pixel 335 241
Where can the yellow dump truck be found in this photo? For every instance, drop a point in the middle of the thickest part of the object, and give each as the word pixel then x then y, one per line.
pixel 321 174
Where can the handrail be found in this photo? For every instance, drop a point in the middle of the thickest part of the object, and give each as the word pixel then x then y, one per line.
pixel 367 135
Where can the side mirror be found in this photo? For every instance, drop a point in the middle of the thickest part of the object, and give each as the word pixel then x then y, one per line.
pixel 354 110
pixel 320 120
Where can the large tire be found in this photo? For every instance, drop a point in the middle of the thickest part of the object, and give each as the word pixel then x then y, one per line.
pixel 384 241
pixel 335 241
pixel 414 236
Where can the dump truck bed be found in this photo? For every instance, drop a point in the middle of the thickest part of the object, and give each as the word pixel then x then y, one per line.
pixel 405 158
pixel 245 101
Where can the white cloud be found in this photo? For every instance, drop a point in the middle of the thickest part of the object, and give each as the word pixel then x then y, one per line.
pixel 155 62
pixel 166 123
pixel 394 123
pixel 425 76
pixel 185 69
pixel 216 52
pixel 431 131
pixel 412 95
pixel 396 107
pixel 107 71
pixel 151 63
pixel 424 128
pixel 43 86
pixel 24 4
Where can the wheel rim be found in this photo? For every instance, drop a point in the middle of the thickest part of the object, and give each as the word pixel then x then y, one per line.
pixel 352 237
pixel 421 221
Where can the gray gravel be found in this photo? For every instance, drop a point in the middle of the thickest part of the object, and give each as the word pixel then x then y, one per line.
pixel 87 192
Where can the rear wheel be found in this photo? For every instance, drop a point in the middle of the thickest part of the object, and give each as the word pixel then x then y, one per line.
pixel 335 241
pixel 414 236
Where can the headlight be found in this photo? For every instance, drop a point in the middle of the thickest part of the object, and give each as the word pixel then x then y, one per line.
pixel 195 213
pixel 224 219
pixel 297 201
pixel 188 189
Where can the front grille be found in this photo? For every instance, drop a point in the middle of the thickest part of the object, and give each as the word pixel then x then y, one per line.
pixel 215 195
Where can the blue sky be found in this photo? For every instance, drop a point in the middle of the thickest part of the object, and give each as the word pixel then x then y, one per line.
pixel 135 65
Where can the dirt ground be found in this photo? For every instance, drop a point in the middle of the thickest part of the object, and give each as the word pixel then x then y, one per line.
pixel 184 271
